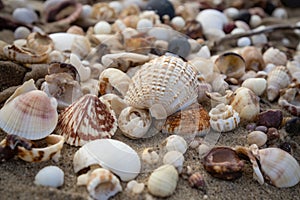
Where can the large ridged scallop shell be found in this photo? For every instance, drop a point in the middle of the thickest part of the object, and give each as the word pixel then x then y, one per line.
pixel 34 115
pixel 164 85
pixel 278 79
pixel 85 120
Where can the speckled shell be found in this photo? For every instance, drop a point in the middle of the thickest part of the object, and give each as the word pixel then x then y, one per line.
pixel 224 118
pixel 34 115
pixel 166 81
pixel 290 100
pixel 163 181
pixel 275 56
pixel 86 119
pixel 278 79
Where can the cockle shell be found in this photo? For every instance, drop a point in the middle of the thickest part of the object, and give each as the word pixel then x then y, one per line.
pixel 224 118
pixel 114 79
pixel 51 176
pixel 175 143
pixel 163 181
pixel 110 154
pixel 34 115
pixel 275 56
pixel 86 119
pixel 100 183
pixel 290 100
pixel 257 85
pixel 164 85
pixel 278 79
pixel 188 122
pixel 40 154
pixel 134 123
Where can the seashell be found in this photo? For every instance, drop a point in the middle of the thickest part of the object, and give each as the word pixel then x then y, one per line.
pixel 24 55
pixel 231 64
pixel 102 11
pixel 164 85
pixel 163 181
pixel 113 80
pixel 90 86
pixel 188 122
pixel 257 85
pixel 63 88
pixel 292 126
pixel 150 156
pixel 24 15
pixel 21 32
pixel 175 143
pixel 245 102
pixel 59 67
pixel 140 45
pixel 278 79
pixel 39 43
pixel 100 183
pixel 123 60
pixel 40 154
pixel 196 180
pixel 135 187
pixel 81 47
pixel 253 58
pixel 174 158
pixel 62 12
pixel 144 25
pixel 218 83
pixel 203 88
pixel 277 166
pixel 85 120
pixel 102 27
pixel 223 163
pixel 117 157
pixel 212 19
pixel 34 115
pixel 280 13
pixel 275 56
pixel 193 29
pixel 223 118
pixel 243 42
pixel 290 101
pixel 63 41
pixel 51 176
pixel 84 72
pixel 56 56
pixel 74 29
pixel 203 66
pixel 257 137
pixel 134 123
pixel 255 21
pixel 117 104
pixel 270 118
pixel 178 23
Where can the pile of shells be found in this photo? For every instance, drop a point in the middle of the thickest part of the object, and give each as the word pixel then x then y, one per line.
pixel 108 76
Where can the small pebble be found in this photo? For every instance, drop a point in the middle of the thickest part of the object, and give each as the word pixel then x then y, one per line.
pixel 178 22
pixel 144 25
pixel 273 135
pixel 251 127
pixel 102 27
pixel 261 128
pixel 280 13
pixel 243 15
pixel 25 15
pixel 270 118
pixel 180 47
pixel 286 146
pixel 161 7
pixel 292 126
pixel 21 32
pixel 243 42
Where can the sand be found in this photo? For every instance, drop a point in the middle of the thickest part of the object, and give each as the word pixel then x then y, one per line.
pixel 17 176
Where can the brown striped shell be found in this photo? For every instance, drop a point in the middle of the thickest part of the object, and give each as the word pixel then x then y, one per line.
pixel 163 85
pixel 86 119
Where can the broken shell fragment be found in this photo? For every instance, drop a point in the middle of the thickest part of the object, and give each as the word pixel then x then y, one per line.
pixel 34 113
pixel 163 181
pixel 110 154
pixel 150 156
pixel 134 123
pixel 52 151
pixel 135 187
pixel 86 119
pixel 224 118
pixel 223 163
pixel 39 42
pixel 51 176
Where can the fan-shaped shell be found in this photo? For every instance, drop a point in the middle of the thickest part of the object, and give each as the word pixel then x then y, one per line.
pixel 110 154
pixel 34 115
pixel 163 85
pixel 85 120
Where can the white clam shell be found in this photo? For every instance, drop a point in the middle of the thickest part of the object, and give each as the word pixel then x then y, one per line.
pixel 163 181
pixel 34 113
pixel 174 158
pixel 163 85
pixel 64 41
pixel 212 19
pixel 51 176
pixel 257 85
pixel 134 123
pixel 257 137
pixel 224 118
pixel 110 154
pixel 175 143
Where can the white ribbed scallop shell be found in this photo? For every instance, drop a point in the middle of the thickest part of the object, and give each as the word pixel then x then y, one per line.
pixel 166 81
pixel 31 115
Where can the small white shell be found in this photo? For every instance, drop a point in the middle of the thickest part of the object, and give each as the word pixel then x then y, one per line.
pixel 224 118
pixel 134 123
pixel 163 181
pixel 144 25
pixel 212 19
pixel 257 137
pixel 135 187
pixel 102 27
pixel 51 176
pixel 275 56
pixel 84 72
pixel 278 79
pixel 257 85
pixel 34 113
pixel 178 22
pixel 118 157
pixel 175 143
pixel 174 158
pixel 150 156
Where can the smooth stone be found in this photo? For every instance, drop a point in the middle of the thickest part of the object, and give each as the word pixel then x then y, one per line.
pixel 180 47
pixel 25 15
pixel 270 118
pixel 161 7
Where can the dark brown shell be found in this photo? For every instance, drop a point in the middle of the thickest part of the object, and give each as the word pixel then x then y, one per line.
pixel 223 163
